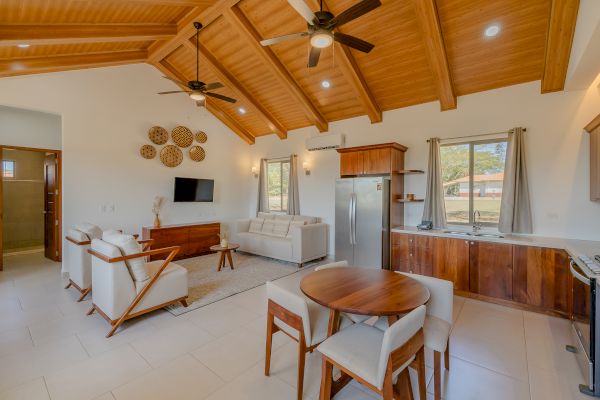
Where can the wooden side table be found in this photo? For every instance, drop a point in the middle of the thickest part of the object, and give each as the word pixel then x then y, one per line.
pixel 225 252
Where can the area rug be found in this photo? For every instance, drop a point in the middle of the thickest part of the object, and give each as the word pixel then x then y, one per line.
pixel 207 286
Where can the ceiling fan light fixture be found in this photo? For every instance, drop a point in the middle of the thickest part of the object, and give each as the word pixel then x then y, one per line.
pixel 23 45
pixel 492 30
pixel 321 39
pixel 197 95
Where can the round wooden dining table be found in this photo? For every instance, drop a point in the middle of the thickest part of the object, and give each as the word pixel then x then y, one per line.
pixel 364 291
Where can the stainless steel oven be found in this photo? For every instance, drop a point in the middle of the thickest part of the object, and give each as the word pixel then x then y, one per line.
pixel 585 324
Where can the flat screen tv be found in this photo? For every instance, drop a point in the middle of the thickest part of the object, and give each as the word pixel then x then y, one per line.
pixel 191 190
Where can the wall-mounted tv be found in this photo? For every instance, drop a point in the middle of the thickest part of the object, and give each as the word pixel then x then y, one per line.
pixel 193 190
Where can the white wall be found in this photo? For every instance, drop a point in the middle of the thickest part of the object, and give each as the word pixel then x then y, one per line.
pixel 557 149
pixel 106 114
pixel 27 128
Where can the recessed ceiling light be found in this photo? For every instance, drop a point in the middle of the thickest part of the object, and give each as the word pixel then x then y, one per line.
pixel 326 84
pixel 23 45
pixel 492 30
pixel 242 110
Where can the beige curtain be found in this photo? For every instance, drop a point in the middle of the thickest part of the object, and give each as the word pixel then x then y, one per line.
pixel 293 206
pixel 435 209
pixel 263 198
pixel 515 210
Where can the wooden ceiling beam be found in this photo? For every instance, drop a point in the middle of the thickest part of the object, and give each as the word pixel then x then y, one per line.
pixel 169 70
pixel 431 33
pixel 561 29
pixel 160 50
pixel 353 74
pixel 178 3
pixel 38 65
pixel 238 21
pixel 13 34
pixel 231 82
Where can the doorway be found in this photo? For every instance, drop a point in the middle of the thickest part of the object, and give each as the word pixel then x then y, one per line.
pixel 30 202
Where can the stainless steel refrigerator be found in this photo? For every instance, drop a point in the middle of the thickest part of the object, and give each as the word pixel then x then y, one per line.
pixel 362 221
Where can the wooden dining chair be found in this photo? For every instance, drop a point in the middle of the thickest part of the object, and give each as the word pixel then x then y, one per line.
pixel 438 323
pixel 301 319
pixel 375 358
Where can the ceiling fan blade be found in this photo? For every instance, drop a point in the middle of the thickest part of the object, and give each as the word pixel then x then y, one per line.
pixel 304 10
pixel 283 38
pixel 175 80
pixel 200 103
pixel 313 57
pixel 174 91
pixel 353 42
pixel 220 97
pixel 354 12
pixel 214 85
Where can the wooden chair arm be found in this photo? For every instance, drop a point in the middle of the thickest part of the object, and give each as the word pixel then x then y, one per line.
pixel 173 250
pixel 147 243
pixel 85 242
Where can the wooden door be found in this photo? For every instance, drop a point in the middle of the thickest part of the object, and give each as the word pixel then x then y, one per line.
pixel 451 261
pixel 51 222
pixel 421 255
pixel 352 163
pixel 377 161
pixel 491 269
pixel 595 164
pixel 400 252
pixel 541 278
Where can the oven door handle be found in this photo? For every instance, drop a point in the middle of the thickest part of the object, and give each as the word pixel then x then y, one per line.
pixel 578 275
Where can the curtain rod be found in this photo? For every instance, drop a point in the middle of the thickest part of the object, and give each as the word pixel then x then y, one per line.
pixel 483 134
pixel 280 158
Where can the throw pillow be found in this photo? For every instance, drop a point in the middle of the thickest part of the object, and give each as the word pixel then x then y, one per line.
pixel 128 245
pixel 256 225
pixel 267 227
pixel 281 228
pixel 294 224
pixel 265 215
pixel 284 217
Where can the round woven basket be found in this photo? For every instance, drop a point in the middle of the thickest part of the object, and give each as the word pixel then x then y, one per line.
pixel 171 156
pixel 201 137
pixel 197 153
pixel 148 151
pixel 158 135
pixel 182 136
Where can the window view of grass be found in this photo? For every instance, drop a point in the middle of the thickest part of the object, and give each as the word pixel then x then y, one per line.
pixel 484 186
pixel 278 173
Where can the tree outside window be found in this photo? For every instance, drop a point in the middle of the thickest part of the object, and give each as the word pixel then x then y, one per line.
pixel 8 169
pixel 278 173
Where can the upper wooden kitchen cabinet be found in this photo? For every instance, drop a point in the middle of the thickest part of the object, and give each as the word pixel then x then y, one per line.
pixel 451 261
pixel 375 159
pixel 412 253
pixel 541 278
pixel 491 269
pixel 594 130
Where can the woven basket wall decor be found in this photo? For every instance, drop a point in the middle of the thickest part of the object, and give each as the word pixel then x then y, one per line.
pixel 182 136
pixel 158 135
pixel 171 155
pixel 197 153
pixel 201 137
pixel 148 151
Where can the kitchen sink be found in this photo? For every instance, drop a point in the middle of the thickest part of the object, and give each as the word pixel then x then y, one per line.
pixel 490 235
pixel 458 233
pixel 479 234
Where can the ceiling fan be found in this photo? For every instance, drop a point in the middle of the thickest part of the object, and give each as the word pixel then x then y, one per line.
pixel 321 25
pixel 198 90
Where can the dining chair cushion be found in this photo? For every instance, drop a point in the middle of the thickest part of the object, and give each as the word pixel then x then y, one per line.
pixel 256 225
pixel 128 246
pixel 441 294
pixel 336 264
pixel 435 332
pixel 92 231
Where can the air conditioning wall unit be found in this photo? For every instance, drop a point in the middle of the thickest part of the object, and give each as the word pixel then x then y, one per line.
pixel 325 142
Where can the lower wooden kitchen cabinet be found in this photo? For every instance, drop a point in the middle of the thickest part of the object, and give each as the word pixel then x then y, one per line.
pixel 536 278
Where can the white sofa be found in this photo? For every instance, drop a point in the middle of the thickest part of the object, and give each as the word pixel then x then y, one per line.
pixel 292 238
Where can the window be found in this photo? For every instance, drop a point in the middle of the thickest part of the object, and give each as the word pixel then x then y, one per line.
pixel 278 173
pixel 472 175
pixel 8 169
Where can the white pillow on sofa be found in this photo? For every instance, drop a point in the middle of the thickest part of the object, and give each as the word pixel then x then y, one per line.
pixel 265 215
pixel 281 228
pixel 256 225
pixel 284 217
pixel 292 225
pixel 128 245
pixel 267 228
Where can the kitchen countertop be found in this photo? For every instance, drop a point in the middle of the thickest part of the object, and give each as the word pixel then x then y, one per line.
pixel 574 247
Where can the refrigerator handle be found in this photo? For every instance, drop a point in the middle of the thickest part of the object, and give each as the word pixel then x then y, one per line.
pixel 350 216
pixel 354 218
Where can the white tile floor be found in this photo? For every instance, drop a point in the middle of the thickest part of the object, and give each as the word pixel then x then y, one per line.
pixel 49 349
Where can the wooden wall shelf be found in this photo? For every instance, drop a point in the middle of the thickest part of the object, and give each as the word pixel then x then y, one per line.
pixel 409 171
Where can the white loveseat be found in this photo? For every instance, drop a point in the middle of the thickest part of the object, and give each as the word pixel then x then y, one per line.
pixel 293 238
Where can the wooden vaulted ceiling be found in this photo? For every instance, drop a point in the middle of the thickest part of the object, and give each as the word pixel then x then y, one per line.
pixel 425 50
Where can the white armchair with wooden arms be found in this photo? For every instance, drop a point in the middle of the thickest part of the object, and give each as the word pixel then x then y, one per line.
pixel 126 285
pixel 78 262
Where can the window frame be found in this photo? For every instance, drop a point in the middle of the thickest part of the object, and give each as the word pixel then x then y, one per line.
pixel 14 169
pixel 283 207
pixel 472 144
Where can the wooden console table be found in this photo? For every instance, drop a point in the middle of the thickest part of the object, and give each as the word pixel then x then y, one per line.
pixel 195 238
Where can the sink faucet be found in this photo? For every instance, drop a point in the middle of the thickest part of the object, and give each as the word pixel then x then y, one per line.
pixel 476 224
